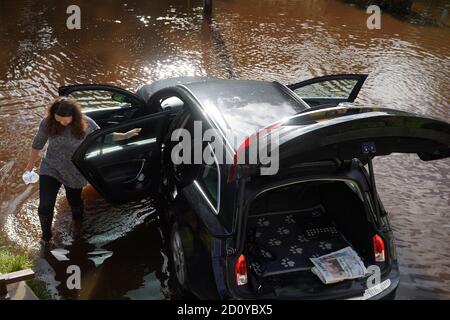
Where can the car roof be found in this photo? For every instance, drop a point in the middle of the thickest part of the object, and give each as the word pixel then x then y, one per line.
pixel 242 107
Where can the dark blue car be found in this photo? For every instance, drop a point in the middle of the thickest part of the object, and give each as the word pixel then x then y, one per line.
pixel 235 232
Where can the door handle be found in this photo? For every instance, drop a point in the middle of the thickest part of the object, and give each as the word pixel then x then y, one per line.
pixel 110 123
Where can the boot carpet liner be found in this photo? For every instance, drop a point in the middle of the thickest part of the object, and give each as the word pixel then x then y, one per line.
pixel 282 242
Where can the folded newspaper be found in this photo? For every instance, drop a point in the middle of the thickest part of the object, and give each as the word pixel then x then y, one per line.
pixel 339 266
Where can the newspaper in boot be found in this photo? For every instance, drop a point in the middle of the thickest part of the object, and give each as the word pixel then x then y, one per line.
pixel 339 266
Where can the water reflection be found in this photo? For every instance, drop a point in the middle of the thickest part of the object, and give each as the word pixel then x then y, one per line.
pixel 129 43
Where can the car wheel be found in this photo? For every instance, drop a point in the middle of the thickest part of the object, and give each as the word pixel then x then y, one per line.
pixel 178 257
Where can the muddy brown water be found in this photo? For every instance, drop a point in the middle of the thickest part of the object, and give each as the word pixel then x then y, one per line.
pixel 129 43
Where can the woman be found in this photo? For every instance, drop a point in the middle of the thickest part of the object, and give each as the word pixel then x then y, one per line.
pixel 65 128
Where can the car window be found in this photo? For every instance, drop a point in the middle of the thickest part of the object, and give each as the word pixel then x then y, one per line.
pixel 209 180
pixel 330 89
pixel 115 143
pixel 101 99
pixel 207 175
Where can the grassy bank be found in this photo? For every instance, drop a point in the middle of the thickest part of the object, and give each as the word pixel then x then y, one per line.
pixel 13 259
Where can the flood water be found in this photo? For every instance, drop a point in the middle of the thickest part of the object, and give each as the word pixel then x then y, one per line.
pixel 129 43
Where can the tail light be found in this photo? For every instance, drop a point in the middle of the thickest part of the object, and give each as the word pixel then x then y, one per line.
pixel 240 152
pixel 241 271
pixel 378 248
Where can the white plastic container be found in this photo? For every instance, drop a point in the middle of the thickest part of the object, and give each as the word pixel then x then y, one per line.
pixel 30 177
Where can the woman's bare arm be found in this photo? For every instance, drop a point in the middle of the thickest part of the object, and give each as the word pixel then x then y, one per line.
pixel 117 136
pixel 39 141
pixel 34 154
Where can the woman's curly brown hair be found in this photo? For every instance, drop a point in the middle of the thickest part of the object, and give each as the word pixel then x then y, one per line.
pixel 66 107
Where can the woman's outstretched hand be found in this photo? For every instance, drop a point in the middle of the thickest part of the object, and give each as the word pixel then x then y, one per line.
pixel 118 136
pixel 132 133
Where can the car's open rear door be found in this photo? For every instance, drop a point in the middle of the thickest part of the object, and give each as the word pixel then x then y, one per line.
pixel 329 90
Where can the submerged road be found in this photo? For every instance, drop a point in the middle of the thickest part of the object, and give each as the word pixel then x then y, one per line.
pixel 121 249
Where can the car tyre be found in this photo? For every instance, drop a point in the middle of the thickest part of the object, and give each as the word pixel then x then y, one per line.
pixel 177 253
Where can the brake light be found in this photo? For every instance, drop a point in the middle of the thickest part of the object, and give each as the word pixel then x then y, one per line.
pixel 378 248
pixel 240 152
pixel 241 271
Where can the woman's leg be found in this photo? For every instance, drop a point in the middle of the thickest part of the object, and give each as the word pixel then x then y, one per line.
pixel 76 202
pixel 48 190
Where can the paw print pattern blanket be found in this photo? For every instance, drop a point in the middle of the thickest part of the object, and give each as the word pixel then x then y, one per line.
pixel 282 242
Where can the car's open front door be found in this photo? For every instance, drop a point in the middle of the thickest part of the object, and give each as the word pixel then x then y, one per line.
pixel 106 104
pixel 329 90
pixel 128 169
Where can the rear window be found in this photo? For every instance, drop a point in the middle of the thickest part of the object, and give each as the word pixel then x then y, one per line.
pixel 242 107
